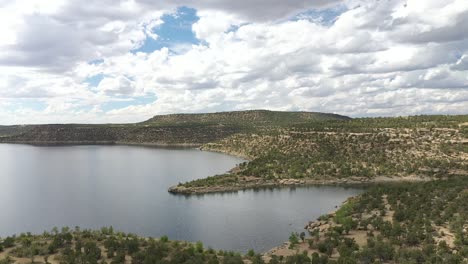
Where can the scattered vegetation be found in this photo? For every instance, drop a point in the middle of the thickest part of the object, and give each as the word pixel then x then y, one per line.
pixel 178 129
pixel 418 222
pixel 107 246
pixel 358 150
pixel 394 223
pixel 389 152
pixel 391 223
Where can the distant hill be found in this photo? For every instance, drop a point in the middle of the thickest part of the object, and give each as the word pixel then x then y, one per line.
pixel 174 129
pixel 12 130
pixel 253 117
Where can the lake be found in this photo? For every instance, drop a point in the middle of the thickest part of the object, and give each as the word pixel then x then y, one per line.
pixel 126 187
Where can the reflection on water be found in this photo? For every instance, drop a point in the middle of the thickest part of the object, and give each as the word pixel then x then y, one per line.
pixel 126 187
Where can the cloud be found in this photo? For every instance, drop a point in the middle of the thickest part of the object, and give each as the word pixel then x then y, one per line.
pixel 431 21
pixel 118 86
pixel 57 35
pixel 374 58
pixel 55 38
pixel 252 10
pixel 212 24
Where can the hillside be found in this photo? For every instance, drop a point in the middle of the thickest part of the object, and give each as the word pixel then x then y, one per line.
pixel 245 118
pixel 354 151
pixel 287 148
pixel 420 220
pixel 392 223
pixel 6 131
pixel 176 129
pixel 121 134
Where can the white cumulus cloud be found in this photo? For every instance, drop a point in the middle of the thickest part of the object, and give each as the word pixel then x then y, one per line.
pixel 374 58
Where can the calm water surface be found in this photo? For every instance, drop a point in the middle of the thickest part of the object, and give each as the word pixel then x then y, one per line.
pixel 126 187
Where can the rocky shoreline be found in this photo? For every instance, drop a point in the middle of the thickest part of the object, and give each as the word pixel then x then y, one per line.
pixel 320 225
pixel 259 183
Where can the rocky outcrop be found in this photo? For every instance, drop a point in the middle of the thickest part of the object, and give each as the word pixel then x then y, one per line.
pixel 317 225
pixel 291 182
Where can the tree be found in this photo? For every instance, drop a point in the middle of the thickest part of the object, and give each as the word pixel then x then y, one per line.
pixel 32 252
pixel 302 236
pixel 384 251
pixel 78 245
pixel 257 259
pixel 234 259
pixel 92 252
pixel 9 242
pixel 311 243
pixel 366 255
pixel 274 260
pixel 199 247
pixel 315 258
pixel 293 240
pixel 298 259
pixel 110 252
pixel 120 257
pixel 132 246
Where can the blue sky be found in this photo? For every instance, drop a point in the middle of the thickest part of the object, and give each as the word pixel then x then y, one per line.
pixel 31 104
pixel 95 79
pixel 60 62
pixel 326 16
pixel 175 30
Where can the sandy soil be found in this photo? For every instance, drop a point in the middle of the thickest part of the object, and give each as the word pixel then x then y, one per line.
pixel 448 236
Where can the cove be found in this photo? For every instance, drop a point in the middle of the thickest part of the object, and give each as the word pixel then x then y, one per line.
pixel 126 187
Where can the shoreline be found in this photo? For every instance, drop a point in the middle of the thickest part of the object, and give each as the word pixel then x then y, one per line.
pixel 286 244
pixel 251 182
pixel 283 183
pixel 104 143
pixel 317 224
pixel 234 154
pixel 257 183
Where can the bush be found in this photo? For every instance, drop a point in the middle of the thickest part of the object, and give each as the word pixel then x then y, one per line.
pixel 234 259
pixel 199 247
pixel 293 240
pixel 9 242
pixel 7 260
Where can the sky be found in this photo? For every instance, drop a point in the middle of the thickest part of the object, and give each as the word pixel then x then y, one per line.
pixel 64 61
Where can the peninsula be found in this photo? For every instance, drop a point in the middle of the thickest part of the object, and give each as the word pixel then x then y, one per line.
pixel 417 213
pixel 286 148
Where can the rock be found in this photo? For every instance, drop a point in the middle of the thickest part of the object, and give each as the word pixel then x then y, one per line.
pixel 178 189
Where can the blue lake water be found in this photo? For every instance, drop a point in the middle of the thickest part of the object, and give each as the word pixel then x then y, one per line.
pixel 126 187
